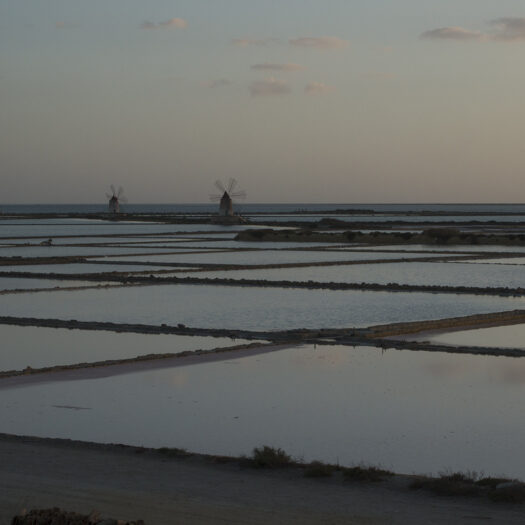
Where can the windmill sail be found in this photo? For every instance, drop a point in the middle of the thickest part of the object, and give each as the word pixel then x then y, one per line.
pixel 225 198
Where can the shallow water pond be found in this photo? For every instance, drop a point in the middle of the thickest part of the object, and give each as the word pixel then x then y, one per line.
pixel 38 347
pixel 337 404
pixel 20 283
pixel 513 261
pixel 67 251
pixel 266 257
pixel 248 308
pixel 96 227
pixel 414 273
pixel 80 268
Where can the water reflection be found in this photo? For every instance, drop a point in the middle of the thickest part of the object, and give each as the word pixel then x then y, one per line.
pixel 248 308
pixel 401 409
pixel 38 347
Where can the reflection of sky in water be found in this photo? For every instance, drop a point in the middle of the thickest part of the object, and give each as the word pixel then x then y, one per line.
pixel 79 268
pixel 505 261
pixel 36 228
pixel 266 257
pixel 509 336
pixel 428 273
pixel 65 251
pixel 39 347
pixel 14 283
pixel 452 248
pixel 248 308
pixel 407 411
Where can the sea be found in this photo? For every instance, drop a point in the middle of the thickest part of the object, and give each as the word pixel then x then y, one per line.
pixel 248 208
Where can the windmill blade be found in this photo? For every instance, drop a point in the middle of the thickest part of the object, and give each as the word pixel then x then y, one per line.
pixel 220 186
pixel 231 184
pixel 123 199
pixel 215 198
pixel 108 195
pixel 113 190
pixel 238 195
pixel 120 192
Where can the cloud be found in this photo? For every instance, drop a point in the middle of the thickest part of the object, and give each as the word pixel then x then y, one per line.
pixel 245 42
pixel 277 67
pixel 269 87
pixel 324 42
pixel 318 88
pixel 220 82
pixel 509 28
pixel 173 23
pixel 451 33
pixel 506 29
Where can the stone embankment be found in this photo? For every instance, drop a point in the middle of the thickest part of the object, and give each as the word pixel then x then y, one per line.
pixel 262 283
pixel 139 359
pixel 372 336
pixel 56 516
pixel 464 322
pixel 447 234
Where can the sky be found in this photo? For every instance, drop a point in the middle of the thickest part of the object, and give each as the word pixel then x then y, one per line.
pixel 347 101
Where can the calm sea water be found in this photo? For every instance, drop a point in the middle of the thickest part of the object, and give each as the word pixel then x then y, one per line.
pixel 262 207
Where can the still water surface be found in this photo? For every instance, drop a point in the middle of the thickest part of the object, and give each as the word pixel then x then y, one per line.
pixel 64 347
pixel 414 273
pixel 248 308
pixel 412 412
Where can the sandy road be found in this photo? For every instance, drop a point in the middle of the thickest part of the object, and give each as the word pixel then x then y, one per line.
pixel 126 484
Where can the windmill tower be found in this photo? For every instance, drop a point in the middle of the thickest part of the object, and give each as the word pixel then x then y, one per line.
pixel 115 199
pixel 225 198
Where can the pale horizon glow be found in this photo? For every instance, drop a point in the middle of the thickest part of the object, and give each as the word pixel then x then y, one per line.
pixel 362 102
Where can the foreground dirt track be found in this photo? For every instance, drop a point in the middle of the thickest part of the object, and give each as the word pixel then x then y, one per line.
pixel 130 484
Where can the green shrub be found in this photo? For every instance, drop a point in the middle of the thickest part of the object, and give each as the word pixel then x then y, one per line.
pixel 269 457
pixel 366 474
pixel 317 469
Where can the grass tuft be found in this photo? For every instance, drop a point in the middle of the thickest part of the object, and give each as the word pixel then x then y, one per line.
pixel 508 492
pixel 366 474
pixel 455 484
pixel 270 457
pixel 317 469
pixel 173 452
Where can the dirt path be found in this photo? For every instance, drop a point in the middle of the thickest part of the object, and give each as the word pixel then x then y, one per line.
pixel 129 484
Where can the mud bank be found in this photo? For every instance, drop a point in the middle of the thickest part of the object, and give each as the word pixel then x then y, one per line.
pixel 121 366
pixel 432 236
pixel 166 486
pixel 149 280
pixel 478 321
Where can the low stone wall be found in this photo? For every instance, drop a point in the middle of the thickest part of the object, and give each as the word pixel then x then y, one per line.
pixel 479 320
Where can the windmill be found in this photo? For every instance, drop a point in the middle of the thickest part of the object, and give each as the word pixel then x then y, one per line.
pixel 116 197
pixel 225 198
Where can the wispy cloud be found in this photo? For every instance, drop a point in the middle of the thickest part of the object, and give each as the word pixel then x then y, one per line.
pixel 219 82
pixel 323 42
pixel 266 66
pixel 245 42
pixel 506 29
pixel 318 88
pixel 173 23
pixel 509 28
pixel 452 33
pixel 269 87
